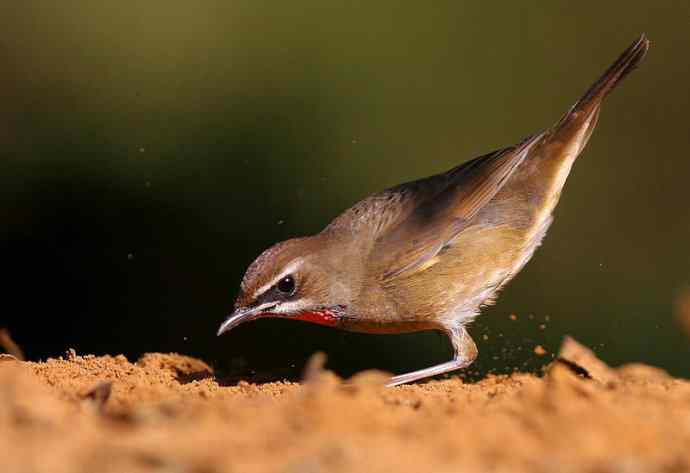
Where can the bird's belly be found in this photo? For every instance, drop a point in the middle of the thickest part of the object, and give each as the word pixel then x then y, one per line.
pixel 382 326
pixel 480 264
pixel 483 258
pixel 467 275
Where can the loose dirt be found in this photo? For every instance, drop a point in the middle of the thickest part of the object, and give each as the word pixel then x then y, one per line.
pixel 167 412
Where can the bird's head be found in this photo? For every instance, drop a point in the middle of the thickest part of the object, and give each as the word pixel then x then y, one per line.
pixel 295 279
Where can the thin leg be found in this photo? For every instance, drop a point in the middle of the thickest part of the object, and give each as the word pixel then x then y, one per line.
pixel 465 352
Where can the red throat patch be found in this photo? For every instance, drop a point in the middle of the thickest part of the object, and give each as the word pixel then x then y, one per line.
pixel 324 317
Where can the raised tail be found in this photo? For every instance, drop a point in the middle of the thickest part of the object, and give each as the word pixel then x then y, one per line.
pixel 586 109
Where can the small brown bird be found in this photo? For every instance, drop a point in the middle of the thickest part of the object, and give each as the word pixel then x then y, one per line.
pixel 428 254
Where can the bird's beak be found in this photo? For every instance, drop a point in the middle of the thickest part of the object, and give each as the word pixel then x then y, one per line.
pixel 243 314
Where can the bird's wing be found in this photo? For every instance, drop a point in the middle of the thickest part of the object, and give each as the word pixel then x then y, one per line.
pixel 439 208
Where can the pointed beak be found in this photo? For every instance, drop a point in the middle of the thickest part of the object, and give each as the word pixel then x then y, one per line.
pixel 243 314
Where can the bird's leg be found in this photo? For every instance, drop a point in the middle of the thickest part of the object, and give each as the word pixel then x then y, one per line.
pixel 465 352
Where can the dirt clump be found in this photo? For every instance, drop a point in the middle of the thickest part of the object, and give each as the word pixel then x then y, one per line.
pixel 167 412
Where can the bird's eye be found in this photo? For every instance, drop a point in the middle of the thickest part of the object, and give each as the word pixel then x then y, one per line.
pixel 287 285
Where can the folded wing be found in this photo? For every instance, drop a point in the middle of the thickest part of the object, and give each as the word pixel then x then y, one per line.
pixel 445 204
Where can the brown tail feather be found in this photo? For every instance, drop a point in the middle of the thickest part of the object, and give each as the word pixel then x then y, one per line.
pixel 591 101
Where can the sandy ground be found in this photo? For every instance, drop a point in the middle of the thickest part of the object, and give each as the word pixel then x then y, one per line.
pixel 167 412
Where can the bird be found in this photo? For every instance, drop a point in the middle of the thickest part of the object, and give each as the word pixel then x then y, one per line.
pixel 430 253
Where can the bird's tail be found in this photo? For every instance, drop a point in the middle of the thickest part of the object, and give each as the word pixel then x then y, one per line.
pixel 586 109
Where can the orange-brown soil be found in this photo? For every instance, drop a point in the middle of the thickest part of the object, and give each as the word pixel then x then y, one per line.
pixel 168 413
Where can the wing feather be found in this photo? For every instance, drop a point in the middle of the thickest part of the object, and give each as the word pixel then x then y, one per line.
pixel 455 197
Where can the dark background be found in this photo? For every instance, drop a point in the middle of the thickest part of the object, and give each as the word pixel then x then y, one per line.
pixel 151 150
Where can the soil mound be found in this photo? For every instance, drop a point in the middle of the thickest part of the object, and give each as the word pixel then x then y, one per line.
pixel 167 412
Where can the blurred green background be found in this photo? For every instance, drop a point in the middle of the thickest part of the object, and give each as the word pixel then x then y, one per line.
pixel 150 150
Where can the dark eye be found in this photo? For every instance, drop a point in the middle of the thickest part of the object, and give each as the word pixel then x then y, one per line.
pixel 287 285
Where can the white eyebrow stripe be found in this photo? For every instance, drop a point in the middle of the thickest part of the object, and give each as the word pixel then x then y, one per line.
pixel 289 269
